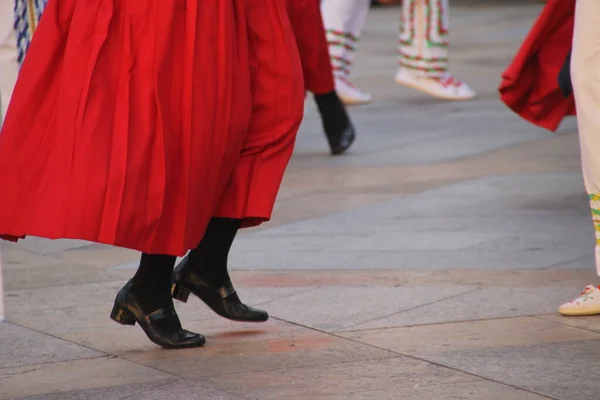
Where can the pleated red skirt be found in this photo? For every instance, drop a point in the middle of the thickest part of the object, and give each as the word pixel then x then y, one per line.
pixel 530 84
pixel 307 24
pixel 134 122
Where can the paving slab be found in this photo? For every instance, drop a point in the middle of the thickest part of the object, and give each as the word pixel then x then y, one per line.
pixel 170 390
pixel 387 247
pixel 336 308
pixel 73 375
pixel 470 390
pixel 486 303
pixel 589 323
pixel 80 314
pixel 451 338
pixel 339 379
pixel 229 356
pixel 21 347
pixel 478 278
pixel 46 246
pixel 119 392
pixel 512 351
pixel 563 370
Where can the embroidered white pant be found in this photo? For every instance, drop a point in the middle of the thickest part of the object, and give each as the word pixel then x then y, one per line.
pixel 343 21
pixel 585 62
pixel 423 38
pixel 422 42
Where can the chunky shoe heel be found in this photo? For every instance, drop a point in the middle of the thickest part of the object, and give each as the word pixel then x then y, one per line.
pixel 162 326
pixel 180 293
pixel 122 316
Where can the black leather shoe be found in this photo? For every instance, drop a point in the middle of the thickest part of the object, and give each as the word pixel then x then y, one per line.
pixel 336 123
pixel 161 326
pixel 341 141
pixel 223 301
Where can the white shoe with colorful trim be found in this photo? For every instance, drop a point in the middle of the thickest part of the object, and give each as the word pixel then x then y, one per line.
pixel 446 87
pixel 349 93
pixel 587 303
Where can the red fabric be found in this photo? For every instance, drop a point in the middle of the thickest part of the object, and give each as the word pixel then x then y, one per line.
pixel 277 111
pixel 305 16
pixel 130 124
pixel 530 84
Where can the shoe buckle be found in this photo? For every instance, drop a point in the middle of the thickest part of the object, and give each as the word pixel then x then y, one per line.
pixel 226 291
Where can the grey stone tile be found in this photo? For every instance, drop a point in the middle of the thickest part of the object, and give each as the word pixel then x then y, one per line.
pixel 423 260
pixel 104 393
pixel 564 371
pixel 397 375
pixel 578 225
pixel 491 302
pixel 335 308
pixel 21 347
pixel 454 145
pixel 489 223
pixel 162 390
pixel 502 197
pixel 258 243
pixel 80 314
pixel 450 338
pixel 264 260
pixel 470 390
pixel 185 390
pixel 56 273
pixel 587 262
pixel 417 241
pixel 46 246
pixel 232 354
pixel 589 323
pixel 74 375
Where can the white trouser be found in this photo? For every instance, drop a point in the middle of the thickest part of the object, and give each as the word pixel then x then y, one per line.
pixel 423 38
pixel 8 53
pixel 343 21
pixel 422 42
pixel 585 62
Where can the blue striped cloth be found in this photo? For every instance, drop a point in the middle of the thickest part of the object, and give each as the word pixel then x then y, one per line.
pixel 27 16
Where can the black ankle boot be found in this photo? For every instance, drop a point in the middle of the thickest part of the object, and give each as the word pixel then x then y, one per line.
pixel 161 326
pixel 336 123
pixel 222 300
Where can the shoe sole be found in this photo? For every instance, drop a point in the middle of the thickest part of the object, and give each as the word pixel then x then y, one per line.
pixel 575 313
pixel 432 93
pixel 353 102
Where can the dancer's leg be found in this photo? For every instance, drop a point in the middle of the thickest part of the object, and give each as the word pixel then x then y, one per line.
pixel 585 59
pixel 423 50
pixel 344 21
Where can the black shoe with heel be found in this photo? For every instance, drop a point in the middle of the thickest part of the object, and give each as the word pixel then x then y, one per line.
pixel 223 300
pixel 161 326
pixel 336 123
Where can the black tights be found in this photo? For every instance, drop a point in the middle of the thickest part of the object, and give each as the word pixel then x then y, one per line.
pixel 152 281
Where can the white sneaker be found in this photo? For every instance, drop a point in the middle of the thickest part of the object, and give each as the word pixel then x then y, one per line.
pixel 446 87
pixel 350 94
pixel 588 303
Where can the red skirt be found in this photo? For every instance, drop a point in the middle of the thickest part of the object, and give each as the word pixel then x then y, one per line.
pixel 307 23
pixel 530 84
pixel 131 120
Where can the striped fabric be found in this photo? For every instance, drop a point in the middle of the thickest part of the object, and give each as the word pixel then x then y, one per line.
pixel 27 15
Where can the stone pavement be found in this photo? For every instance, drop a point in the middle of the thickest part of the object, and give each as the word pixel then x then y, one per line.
pixel 426 265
